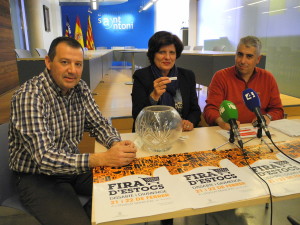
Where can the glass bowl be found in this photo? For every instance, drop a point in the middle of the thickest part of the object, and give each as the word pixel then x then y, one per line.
pixel 158 127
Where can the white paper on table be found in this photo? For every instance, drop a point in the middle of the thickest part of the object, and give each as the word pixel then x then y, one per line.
pixel 138 196
pixel 282 175
pixel 219 185
pixel 288 127
pixel 245 132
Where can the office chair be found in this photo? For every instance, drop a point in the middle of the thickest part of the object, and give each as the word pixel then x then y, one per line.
pixel 219 48
pixel 187 47
pixel 198 48
pixel 12 209
pixel 9 198
pixel 42 52
pixel 23 53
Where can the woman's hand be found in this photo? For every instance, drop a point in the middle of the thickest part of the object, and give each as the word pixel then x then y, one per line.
pixel 160 85
pixel 187 125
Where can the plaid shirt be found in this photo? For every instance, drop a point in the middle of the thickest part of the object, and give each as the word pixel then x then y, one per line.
pixel 46 127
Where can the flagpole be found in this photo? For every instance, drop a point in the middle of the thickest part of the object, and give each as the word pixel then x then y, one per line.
pixel 78 32
pixel 90 40
pixel 89 34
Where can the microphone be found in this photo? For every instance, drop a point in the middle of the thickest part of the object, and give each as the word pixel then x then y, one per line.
pixel 229 114
pixel 252 102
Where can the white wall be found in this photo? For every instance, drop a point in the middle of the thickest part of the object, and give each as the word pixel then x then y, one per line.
pixel 55 20
pixel 171 15
pixel 275 22
pixel 38 37
pixel 193 12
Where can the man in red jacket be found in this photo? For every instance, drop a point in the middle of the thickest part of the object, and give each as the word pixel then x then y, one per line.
pixel 229 83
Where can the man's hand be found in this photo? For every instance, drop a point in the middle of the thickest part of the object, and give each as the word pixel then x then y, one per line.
pixel 223 125
pixel 120 154
pixel 267 119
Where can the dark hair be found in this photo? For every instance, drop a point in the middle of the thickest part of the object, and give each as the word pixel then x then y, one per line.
pixel 160 39
pixel 69 41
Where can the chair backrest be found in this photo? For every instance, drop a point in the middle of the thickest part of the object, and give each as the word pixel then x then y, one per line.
pixel 7 185
pixel 187 47
pixel 198 48
pixel 8 190
pixel 42 52
pixel 23 53
pixel 219 48
pixel 101 47
pixel 128 47
pixel 117 47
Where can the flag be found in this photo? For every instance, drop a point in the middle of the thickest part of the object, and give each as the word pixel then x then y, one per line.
pixel 68 32
pixel 78 32
pixel 89 36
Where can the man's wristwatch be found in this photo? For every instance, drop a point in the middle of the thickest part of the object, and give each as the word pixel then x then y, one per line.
pixel 269 116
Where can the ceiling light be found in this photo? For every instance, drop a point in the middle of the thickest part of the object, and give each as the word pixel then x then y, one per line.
pixel 233 8
pixel 148 5
pixel 273 11
pixel 94 4
pixel 253 3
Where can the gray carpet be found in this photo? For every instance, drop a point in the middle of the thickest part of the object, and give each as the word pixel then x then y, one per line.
pixel 10 216
pixel 254 215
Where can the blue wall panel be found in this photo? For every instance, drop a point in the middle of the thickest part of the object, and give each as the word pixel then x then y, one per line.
pixel 113 25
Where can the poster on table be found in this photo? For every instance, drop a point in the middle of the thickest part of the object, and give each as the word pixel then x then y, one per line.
pixel 142 188
pixel 160 184
pixel 280 172
pixel 215 180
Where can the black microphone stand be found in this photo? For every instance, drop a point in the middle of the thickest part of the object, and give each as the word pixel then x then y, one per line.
pixel 230 140
pixel 231 137
pixel 259 135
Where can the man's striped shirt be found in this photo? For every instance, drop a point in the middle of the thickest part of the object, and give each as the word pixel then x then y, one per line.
pixel 46 127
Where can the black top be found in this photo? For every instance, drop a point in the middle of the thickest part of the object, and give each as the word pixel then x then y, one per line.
pixel 143 86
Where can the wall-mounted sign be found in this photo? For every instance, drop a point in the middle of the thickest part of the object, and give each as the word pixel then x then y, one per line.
pixel 113 25
pixel 116 22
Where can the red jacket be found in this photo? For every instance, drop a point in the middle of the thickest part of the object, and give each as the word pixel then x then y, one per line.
pixel 226 84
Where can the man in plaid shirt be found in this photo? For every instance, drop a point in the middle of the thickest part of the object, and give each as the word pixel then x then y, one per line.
pixel 48 116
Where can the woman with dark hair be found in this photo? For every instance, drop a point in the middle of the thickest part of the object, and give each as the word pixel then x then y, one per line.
pixel 162 83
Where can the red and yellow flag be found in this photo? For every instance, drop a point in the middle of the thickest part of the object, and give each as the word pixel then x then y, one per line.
pixel 89 36
pixel 68 32
pixel 78 32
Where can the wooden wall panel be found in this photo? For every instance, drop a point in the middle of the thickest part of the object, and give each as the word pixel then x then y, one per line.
pixel 8 65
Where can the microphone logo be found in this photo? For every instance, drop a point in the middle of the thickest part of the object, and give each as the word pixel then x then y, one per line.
pixel 252 102
pixel 249 95
pixel 229 105
pixel 229 114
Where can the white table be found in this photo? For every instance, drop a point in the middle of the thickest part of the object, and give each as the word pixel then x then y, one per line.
pixel 200 139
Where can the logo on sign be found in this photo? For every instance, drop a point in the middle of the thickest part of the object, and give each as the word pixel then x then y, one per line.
pixel 110 22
